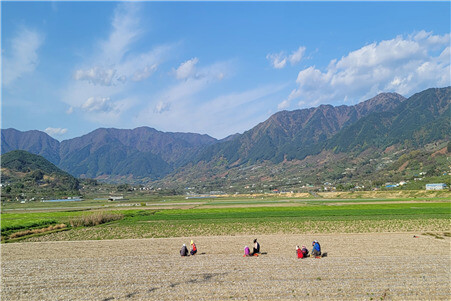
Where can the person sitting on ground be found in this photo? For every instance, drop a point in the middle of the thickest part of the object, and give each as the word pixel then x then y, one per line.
pixel 247 252
pixel 299 252
pixel 193 248
pixel 256 250
pixel 184 251
pixel 316 251
pixel 304 251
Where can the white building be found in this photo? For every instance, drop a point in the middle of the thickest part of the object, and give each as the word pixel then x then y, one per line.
pixel 436 186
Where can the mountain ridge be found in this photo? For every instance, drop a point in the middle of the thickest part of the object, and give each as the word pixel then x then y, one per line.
pixel 269 140
pixel 147 154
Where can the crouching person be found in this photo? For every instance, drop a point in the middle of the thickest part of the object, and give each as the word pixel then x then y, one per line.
pixel 193 248
pixel 316 251
pixel 299 252
pixel 256 250
pixel 247 251
pixel 184 251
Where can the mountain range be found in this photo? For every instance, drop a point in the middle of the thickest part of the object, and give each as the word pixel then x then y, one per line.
pixel 146 154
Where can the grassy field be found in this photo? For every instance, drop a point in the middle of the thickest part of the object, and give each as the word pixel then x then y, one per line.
pixel 177 216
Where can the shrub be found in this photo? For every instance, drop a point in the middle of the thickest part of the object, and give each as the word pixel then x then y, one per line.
pixel 95 219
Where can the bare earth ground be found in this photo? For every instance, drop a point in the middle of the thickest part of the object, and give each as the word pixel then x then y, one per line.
pixel 382 266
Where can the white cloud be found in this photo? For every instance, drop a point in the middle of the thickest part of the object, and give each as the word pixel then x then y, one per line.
pixel 126 30
pixel 142 74
pixel 112 62
pixel 109 78
pixel 21 57
pixel 104 110
pixel 162 107
pixel 279 60
pixel 186 69
pixel 297 55
pixel 97 104
pixel 283 105
pixel 403 64
pixel 55 131
pixel 96 75
pixel 193 84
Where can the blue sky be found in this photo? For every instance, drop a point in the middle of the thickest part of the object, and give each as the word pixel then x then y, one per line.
pixel 213 68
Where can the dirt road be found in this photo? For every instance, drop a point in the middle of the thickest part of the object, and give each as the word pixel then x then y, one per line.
pixel 358 266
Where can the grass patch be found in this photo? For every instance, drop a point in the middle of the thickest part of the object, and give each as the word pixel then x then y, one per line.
pixel 435 235
pixel 97 218
pixel 34 231
pixel 34 235
pixel 26 224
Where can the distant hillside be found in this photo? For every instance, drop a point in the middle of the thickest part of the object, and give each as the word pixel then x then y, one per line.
pixel 330 149
pixel 142 152
pixel 108 153
pixel 22 161
pixel 23 172
pixel 423 118
pixel 285 133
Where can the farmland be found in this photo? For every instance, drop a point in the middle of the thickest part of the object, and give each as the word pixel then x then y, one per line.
pixel 378 248
pixel 177 216
pixel 374 266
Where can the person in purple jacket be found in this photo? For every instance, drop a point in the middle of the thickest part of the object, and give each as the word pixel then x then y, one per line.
pixel 247 252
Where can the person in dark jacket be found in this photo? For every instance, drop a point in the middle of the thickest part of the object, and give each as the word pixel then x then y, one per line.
pixel 316 251
pixel 256 248
pixel 304 251
pixel 184 251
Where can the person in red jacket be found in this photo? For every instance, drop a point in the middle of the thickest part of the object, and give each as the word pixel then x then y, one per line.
pixel 299 252
pixel 193 248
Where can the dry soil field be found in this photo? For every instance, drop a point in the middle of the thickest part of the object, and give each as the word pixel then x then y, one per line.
pixel 358 266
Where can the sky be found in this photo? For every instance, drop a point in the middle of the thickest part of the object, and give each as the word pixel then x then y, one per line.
pixel 215 68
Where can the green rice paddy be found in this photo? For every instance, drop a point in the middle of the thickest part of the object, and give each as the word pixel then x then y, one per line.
pixel 240 216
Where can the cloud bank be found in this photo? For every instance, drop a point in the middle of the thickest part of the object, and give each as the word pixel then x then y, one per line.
pixel 403 65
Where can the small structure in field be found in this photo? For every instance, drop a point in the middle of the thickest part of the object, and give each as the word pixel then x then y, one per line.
pixel 436 186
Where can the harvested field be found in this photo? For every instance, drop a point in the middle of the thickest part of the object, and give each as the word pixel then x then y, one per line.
pixel 379 266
